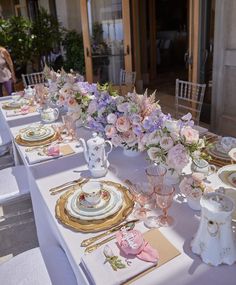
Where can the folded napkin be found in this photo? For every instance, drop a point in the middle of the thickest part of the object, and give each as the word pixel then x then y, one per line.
pixel 100 272
pixel 43 154
pixel 23 111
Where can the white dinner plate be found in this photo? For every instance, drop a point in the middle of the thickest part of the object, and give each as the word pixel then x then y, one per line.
pixel 230 192
pixel 115 203
pixel 227 174
pixel 37 133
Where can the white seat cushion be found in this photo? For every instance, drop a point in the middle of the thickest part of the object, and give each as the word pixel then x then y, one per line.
pixel 27 268
pixel 13 182
pixel 5 139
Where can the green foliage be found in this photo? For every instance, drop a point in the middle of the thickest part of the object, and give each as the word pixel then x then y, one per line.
pixel 74 48
pixel 47 33
pixel 15 35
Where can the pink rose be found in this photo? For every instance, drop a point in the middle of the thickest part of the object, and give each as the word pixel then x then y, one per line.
pixel 110 131
pixel 190 135
pixel 177 157
pixel 72 102
pixel 122 124
pixel 129 138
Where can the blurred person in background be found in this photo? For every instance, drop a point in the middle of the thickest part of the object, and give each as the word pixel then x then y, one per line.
pixel 7 74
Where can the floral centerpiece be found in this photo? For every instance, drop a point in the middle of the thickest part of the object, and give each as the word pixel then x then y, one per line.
pixel 174 143
pixel 193 187
pixel 69 90
pixel 123 120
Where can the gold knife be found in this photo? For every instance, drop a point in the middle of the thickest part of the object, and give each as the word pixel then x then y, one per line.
pixel 91 248
pixel 91 240
pixel 63 188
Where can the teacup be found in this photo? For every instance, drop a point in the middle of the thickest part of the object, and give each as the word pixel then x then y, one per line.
pixel 202 166
pixel 226 144
pixel 92 192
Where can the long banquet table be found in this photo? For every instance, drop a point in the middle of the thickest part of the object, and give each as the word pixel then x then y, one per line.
pixel 60 246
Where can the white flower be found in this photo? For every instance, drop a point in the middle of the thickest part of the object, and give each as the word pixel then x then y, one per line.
pixel 154 154
pixel 153 138
pixel 108 251
pixel 111 119
pixel 172 126
pixel 166 143
pixel 187 117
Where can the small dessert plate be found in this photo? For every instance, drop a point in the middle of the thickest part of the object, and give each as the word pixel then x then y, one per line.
pixel 227 175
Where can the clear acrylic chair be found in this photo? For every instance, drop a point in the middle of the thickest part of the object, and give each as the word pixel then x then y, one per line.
pixel 189 98
pixel 127 81
pixel 32 79
pixel 6 153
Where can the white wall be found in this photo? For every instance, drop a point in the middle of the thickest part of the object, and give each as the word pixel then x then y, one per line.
pixel 68 13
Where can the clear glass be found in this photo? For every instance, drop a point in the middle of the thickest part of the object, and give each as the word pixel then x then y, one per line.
pixel 164 198
pixel 107 39
pixel 70 127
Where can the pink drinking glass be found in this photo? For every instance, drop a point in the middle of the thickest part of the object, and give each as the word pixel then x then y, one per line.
pixel 142 198
pixel 70 126
pixel 164 199
pixel 155 175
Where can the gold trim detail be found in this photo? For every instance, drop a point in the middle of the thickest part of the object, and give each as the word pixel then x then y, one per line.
pixel 99 225
pixel 22 142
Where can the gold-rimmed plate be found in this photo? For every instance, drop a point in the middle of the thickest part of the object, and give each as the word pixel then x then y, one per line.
pixel 227 175
pixel 99 225
pixel 49 140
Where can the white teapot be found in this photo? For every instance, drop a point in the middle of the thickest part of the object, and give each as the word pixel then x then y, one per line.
pixel 214 240
pixel 29 92
pixel 96 156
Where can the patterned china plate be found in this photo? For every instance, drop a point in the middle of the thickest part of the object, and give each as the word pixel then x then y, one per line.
pixel 227 175
pixel 232 154
pixel 113 206
pixel 213 150
pixel 37 133
pixel 14 105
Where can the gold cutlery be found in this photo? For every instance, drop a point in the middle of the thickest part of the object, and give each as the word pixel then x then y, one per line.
pixel 58 189
pixel 91 240
pixel 91 248
pixel 29 149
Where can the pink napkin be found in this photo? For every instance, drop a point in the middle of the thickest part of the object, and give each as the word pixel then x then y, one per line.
pixel 100 272
pixel 133 243
pixel 53 150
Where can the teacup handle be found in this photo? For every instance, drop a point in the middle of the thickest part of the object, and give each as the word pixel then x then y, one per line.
pixel 111 147
pixel 212 168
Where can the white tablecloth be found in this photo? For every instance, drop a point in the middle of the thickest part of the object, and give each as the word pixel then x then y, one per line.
pixel 186 269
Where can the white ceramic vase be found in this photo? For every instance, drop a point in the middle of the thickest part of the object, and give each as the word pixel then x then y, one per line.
pixel 172 177
pixel 130 152
pixel 194 203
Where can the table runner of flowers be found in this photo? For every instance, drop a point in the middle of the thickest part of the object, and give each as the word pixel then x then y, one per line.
pixel 134 121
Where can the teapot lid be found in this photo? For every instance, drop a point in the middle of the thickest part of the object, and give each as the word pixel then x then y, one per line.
pixel 217 202
pixel 95 140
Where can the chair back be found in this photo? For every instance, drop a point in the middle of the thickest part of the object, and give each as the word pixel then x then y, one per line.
pixel 127 81
pixel 32 79
pixel 189 98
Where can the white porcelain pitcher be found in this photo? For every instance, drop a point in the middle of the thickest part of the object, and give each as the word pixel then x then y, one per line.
pixel 214 240
pixel 96 155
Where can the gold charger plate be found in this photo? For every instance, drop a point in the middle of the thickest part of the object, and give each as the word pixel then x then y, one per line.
pixel 22 142
pixel 99 225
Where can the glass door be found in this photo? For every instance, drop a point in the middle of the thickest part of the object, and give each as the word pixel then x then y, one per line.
pixel 106 35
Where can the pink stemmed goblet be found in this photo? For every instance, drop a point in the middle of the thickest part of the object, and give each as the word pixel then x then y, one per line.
pixel 155 175
pixel 142 198
pixel 164 199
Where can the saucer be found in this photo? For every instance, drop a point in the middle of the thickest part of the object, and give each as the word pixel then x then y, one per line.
pixel 37 133
pixel 227 175
pixel 82 203
pixel 114 204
